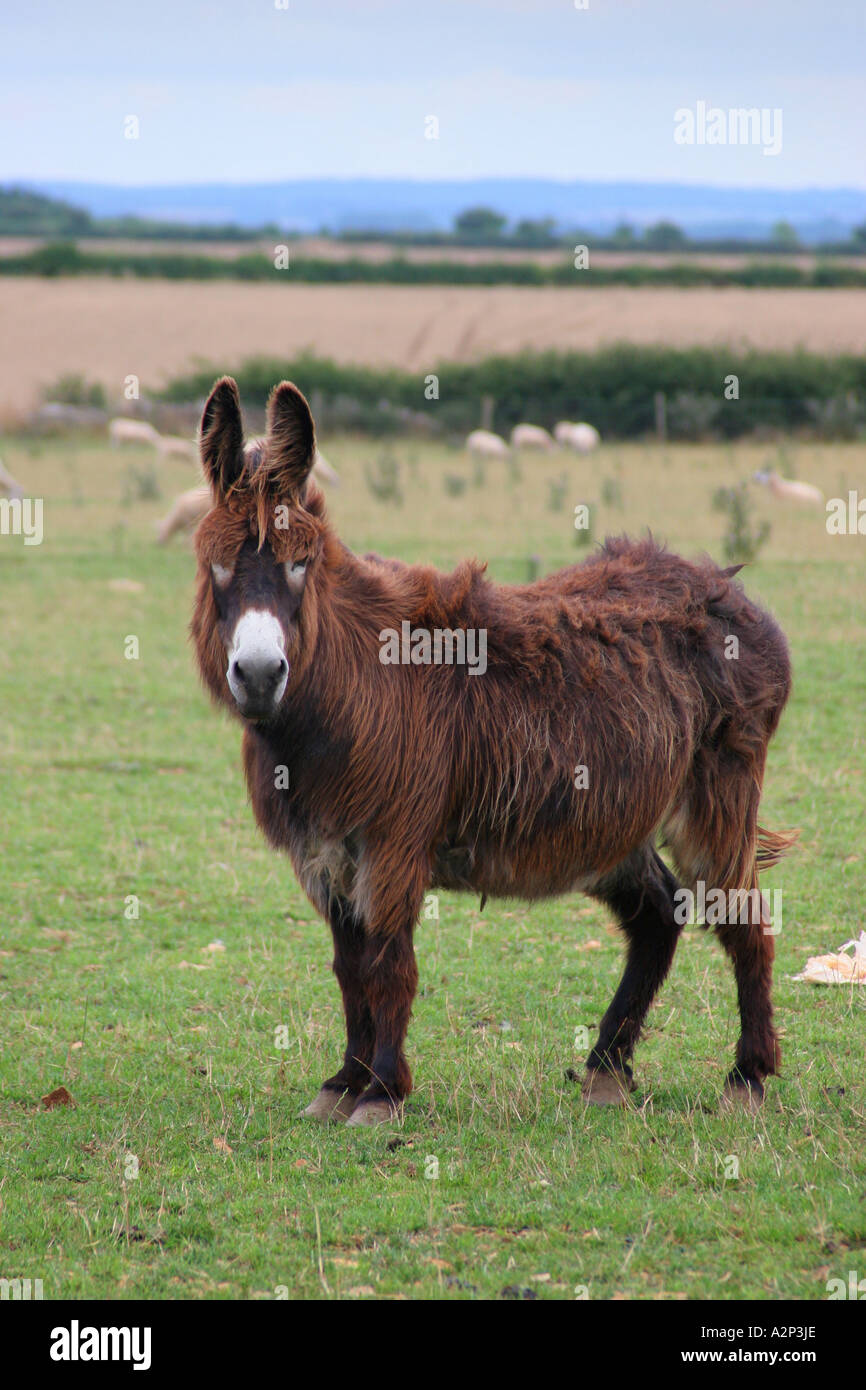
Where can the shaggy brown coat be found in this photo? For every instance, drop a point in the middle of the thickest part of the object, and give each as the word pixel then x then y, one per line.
pixel 611 713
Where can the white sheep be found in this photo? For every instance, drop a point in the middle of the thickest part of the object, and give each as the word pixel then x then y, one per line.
pixel 531 437
pixel 484 444
pixel 123 431
pixel 190 507
pixel 581 437
pixel 172 446
pixel 321 468
pixel 9 485
pixel 324 471
pixel 788 489
pixel 186 512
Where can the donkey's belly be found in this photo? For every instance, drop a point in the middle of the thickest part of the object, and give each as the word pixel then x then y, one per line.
pixel 541 870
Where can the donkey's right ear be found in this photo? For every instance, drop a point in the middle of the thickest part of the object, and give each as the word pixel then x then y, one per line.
pixel 291 440
pixel 222 437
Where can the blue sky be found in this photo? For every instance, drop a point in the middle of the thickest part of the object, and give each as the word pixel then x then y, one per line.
pixel 246 92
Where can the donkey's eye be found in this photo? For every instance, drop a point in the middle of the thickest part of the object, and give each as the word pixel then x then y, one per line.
pixel 295 572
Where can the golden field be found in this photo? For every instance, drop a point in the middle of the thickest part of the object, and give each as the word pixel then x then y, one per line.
pixel 106 328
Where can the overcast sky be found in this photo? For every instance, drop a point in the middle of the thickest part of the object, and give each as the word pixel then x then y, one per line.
pixel 245 91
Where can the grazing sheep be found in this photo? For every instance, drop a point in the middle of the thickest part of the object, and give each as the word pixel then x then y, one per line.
pixel 531 437
pixel 122 431
pixel 788 489
pixel 484 444
pixel 9 486
pixel 186 512
pixel 324 471
pixel 172 446
pixel 190 507
pixel 581 436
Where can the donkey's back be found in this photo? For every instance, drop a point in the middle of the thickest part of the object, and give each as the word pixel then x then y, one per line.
pixel 621 697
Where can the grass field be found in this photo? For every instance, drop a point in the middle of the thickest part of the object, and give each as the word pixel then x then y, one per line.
pixel 107 328
pixel 184 1170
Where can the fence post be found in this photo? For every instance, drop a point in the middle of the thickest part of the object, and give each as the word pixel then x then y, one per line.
pixel 488 405
pixel 661 407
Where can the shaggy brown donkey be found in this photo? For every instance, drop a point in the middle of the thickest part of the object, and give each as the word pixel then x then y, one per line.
pixel 610 712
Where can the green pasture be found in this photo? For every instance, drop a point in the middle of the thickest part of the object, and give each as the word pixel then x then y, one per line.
pixel 190 1036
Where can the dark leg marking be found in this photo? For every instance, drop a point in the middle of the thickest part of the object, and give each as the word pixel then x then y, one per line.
pixel 390 976
pixel 643 899
pixel 758 1055
pixel 339 1094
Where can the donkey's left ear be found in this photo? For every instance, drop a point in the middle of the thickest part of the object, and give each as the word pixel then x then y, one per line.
pixel 222 437
pixel 291 439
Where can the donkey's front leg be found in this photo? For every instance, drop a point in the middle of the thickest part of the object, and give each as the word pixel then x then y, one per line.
pixel 390 976
pixel 391 882
pixel 339 1094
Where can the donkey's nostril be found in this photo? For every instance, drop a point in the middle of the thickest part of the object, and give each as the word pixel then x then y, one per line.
pixel 259 676
pixel 269 672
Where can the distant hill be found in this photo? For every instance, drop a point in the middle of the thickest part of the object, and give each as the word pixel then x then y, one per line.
pixel 309 205
pixel 25 213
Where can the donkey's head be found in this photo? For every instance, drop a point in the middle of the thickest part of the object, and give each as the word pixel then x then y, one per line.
pixel 257 549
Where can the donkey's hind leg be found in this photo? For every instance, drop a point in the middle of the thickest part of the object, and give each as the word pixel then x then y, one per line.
pixel 748 940
pixel 340 1093
pixel 716 839
pixel 642 895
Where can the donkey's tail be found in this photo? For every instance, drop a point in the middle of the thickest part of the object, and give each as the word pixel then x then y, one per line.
pixel 773 845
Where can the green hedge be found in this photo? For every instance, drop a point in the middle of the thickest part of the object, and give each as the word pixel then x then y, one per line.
pixel 66 258
pixel 614 388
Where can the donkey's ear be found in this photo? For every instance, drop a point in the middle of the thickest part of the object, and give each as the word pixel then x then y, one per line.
pixel 291 438
pixel 222 437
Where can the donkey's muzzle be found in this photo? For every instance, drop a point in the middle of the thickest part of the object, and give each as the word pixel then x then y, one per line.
pixel 257 683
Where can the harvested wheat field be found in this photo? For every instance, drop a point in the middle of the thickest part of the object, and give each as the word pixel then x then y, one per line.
pixel 106 328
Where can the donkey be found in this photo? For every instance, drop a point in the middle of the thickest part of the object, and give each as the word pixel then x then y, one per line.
pixel 608 718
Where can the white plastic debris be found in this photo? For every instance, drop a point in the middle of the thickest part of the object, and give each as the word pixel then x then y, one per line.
pixel 838 969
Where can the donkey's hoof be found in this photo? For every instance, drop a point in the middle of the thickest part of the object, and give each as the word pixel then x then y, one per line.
pixel 606 1087
pixel 374 1112
pixel 331 1105
pixel 741 1095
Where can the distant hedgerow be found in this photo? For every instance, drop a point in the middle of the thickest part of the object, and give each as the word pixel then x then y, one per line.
pixel 614 388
